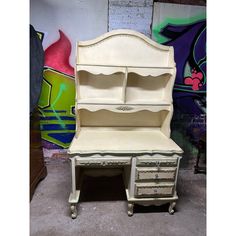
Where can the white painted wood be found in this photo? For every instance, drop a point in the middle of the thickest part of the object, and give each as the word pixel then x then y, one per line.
pixel 123 114
pixel 132 178
pixel 123 45
pixel 94 88
pixel 155 173
pixel 96 70
pixel 166 119
pixel 149 71
pixel 158 160
pixel 120 118
pixel 153 189
pixel 153 89
pixel 122 140
pixel 103 161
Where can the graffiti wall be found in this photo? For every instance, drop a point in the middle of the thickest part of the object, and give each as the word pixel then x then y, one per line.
pixel 56 103
pixel 184 28
pixel 60 24
pixel 180 26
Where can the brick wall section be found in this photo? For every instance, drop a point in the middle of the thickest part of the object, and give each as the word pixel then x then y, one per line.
pixel 135 15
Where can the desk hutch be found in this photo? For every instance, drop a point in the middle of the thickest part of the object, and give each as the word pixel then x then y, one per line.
pixel 123 108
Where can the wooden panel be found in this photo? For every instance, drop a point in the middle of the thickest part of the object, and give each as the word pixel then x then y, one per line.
pixel 155 173
pixel 108 118
pixel 161 161
pixel 108 161
pixel 124 140
pixel 154 190
pixel 119 48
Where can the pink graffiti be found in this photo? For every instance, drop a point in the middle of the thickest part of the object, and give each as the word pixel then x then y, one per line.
pixel 57 55
pixel 195 80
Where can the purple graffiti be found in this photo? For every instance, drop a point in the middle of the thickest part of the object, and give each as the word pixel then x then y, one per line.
pixel 189 42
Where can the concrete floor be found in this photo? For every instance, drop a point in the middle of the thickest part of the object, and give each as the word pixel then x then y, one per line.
pixel 103 208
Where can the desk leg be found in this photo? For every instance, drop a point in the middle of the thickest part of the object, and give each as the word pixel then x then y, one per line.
pixel 130 208
pixel 171 208
pixel 74 196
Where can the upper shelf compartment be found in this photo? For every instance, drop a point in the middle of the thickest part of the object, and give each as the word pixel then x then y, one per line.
pixel 149 86
pixel 100 84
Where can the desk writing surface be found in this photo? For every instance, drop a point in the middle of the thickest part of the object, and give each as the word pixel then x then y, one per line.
pixel 122 141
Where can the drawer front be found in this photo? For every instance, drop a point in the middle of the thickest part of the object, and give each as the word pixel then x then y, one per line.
pixel 103 162
pixel 159 162
pixel 154 191
pixel 155 173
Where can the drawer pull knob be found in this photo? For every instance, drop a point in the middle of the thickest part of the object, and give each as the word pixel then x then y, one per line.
pixel 156 176
pixel 155 190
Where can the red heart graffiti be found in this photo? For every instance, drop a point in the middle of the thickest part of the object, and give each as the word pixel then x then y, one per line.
pixel 195 80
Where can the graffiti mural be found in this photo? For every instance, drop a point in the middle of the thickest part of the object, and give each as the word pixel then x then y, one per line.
pixel 188 37
pixel 56 103
pixel 189 42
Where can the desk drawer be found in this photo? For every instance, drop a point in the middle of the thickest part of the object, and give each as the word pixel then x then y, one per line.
pixel 154 190
pixel 155 173
pixel 159 162
pixel 108 161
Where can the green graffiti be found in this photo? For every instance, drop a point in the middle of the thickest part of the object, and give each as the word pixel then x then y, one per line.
pixel 156 31
pixel 187 70
pixel 56 101
pixel 62 88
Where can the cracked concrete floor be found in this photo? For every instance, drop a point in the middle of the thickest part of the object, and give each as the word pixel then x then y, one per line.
pixel 103 208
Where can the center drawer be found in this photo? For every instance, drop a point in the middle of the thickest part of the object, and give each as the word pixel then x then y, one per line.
pixel 147 173
pixel 154 190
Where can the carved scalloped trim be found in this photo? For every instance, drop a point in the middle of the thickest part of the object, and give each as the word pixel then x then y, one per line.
pixel 121 109
pixel 100 70
pixel 152 74
pixel 101 73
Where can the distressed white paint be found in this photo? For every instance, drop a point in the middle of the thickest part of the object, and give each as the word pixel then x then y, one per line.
pixel 162 11
pixel 78 19
pixel 135 15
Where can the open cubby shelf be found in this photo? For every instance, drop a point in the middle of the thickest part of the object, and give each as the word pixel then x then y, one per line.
pixel 124 87
pixel 98 88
